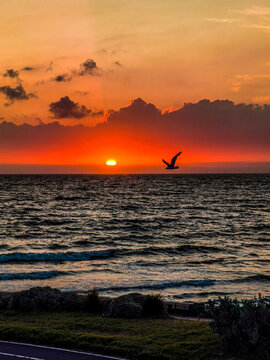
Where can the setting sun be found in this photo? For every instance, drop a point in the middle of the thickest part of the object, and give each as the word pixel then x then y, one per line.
pixel 111 163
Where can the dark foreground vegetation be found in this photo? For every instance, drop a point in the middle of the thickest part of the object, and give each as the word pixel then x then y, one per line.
pixel 144 339
pixel 133 305
pixel 135 326
pixel 243 326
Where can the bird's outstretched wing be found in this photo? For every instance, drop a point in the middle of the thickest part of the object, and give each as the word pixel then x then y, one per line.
pixel 174 158
pixel 165 162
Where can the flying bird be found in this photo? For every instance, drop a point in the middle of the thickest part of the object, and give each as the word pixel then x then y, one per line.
pixel 171 165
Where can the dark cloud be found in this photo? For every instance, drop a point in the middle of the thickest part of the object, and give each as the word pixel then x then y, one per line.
pixel 62 78
pixel 28 68
pixel 219 129
pixel 50 67
pixel 88 67
pixel 16 93
pixel 206 124
pixel 97 113
pixel 36 137
pixel 11 73
pixel 118 64
pixel 66 108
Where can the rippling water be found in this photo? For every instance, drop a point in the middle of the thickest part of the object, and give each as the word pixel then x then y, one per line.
pixel 187 236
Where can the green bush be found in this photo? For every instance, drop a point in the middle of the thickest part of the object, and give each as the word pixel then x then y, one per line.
pixel 154 306
pixel 243 326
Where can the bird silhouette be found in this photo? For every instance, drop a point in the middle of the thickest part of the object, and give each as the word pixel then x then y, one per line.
pixel 171 165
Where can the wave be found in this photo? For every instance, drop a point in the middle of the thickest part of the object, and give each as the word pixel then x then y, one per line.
pixel 90 255
pixel 161 286
pixel 4 246
pixel 207 261
pixel 39 275
pixel 253 278
pixel 261 227
pixel 54 257
pixel 46 222
pixel 83 242
pixel 55 246
pixel 69 198
pixel 170 250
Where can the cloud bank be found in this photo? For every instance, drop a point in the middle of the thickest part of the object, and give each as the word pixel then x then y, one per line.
pixel 206 130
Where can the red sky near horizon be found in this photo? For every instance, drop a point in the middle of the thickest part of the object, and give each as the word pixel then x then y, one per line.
pixel 68 75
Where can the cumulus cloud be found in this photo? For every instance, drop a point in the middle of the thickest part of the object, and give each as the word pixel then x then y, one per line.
pixel 11 73
pixel 62 78
pixel 66 108
pixel 16 93
pixel 88 67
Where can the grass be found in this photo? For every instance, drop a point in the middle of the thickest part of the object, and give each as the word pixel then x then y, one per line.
pixel 147 339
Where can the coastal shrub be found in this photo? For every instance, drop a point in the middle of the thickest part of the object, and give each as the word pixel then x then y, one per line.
pixel 70 302
pixel 93 302
pixel 4 300
pixel 36 298
pixel 154 306
pixel 243 326
pixel 124 307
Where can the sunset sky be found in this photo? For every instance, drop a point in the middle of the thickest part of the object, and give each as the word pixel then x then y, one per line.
pixel 85 81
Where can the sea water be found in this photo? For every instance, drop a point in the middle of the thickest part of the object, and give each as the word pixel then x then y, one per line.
pixel 189 237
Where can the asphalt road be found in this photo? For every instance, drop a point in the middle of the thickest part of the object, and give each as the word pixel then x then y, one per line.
pixel 18 351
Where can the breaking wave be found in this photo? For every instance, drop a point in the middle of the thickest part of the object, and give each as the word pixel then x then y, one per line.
pixel 57 256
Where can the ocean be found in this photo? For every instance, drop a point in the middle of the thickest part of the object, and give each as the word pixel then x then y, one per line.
pixel 188 237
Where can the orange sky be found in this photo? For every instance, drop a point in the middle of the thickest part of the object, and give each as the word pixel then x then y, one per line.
pixel 76 63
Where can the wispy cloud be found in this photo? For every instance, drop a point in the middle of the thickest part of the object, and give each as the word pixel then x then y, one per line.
pixel 223 20
pixel 255 10
pixel 242 80
pixel 265 28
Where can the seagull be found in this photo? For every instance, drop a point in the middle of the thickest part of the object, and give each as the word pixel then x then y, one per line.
pixel 171 165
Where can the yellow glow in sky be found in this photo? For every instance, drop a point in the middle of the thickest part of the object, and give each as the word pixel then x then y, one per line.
pixel 111 163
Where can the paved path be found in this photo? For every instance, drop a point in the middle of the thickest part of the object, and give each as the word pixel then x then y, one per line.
pixel 18 351
pixel 190 318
